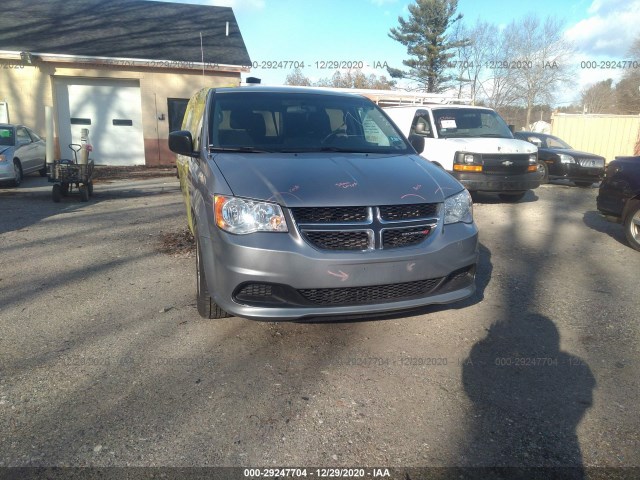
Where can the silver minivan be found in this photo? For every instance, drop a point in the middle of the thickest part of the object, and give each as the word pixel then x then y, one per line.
pixel 311 203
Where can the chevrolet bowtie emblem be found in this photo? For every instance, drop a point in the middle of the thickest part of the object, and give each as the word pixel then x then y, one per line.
pixel 507 163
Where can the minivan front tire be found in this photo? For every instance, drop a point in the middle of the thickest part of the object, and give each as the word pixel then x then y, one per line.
pixel 207 308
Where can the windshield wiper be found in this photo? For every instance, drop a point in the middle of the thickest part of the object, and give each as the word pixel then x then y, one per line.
pixel 318 149
pixel 494 135
pixel 213 148
pixel 343 150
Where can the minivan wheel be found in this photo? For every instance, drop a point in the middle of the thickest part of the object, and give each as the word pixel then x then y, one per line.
pixel 512 197
pixel 632 225
pixel 207 308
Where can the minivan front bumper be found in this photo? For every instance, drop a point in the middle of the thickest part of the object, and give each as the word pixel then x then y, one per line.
pixel 279 276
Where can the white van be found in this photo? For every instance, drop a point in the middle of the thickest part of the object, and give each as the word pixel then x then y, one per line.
pixel 475 145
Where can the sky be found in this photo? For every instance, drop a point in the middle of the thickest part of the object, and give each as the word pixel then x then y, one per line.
pixel 321 32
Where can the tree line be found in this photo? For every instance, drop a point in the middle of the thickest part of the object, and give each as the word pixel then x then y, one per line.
pixel 623 97
pixel 517 67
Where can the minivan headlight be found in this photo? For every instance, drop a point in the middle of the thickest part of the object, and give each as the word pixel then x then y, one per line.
pixel 242 216
pixel 564 158
pixel 458 208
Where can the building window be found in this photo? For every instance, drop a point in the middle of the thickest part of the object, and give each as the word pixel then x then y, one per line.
pixel 80 121
pixel 176 109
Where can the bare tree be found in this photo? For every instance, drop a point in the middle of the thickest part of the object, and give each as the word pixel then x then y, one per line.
pixel 471 55
pixel 599 97
pixel 540 60
pixel 483 37
pixel 297 78
pixel 498 85
pixel 479 65
pixel 356 79
pixel 628 88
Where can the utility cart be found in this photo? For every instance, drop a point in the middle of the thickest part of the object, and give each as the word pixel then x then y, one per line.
pixel 65 174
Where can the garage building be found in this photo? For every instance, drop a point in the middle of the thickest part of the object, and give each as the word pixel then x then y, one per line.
pixel 124 69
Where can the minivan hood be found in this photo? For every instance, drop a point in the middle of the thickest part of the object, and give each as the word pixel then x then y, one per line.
pixel 491 145
pixel 4 148
pixel 335 179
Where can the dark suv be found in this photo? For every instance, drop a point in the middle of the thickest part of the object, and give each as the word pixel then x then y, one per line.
pixel 619 196
pixel 308 203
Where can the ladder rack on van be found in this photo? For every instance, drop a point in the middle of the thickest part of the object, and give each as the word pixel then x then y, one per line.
pixel 388 98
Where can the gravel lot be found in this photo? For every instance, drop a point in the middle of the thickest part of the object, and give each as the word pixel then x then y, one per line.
pixel 104 360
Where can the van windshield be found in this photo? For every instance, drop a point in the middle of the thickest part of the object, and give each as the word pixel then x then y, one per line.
pixel 301 122
pixel 470 122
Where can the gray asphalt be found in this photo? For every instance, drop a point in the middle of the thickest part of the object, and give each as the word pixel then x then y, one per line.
pixel 104 360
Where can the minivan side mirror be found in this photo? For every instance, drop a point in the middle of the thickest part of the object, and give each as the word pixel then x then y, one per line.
pixel 417 142
pixel 181 142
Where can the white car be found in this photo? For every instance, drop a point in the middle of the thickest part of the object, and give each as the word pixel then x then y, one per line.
pixel 22 151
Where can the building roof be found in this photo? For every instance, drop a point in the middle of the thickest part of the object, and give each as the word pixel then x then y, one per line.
pixel 132 29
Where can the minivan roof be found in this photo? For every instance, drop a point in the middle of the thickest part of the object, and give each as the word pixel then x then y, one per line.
pixel 283 89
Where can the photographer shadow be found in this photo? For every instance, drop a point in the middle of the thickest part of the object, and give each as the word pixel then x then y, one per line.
pixel 528 398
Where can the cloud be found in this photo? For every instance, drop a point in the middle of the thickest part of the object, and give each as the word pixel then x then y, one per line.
pixel 609 30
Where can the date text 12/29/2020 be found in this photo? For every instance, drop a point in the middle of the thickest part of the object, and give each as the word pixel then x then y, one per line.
pixel 320 64
pixel 301 472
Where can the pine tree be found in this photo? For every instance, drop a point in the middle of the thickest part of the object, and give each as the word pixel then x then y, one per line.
pixel 427 38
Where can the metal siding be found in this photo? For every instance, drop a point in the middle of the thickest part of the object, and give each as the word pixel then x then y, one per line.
pixel 606 135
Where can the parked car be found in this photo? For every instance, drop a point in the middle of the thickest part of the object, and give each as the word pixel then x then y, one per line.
pixel 475 145
pixel 308 203
pixel 619 196
pixel 22 151
pixel 558 160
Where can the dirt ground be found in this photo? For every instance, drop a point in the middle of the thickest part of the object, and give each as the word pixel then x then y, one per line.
pixel 108 173
pixel 105 362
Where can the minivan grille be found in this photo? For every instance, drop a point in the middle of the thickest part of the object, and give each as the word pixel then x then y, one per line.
pixel 404 237
pixel 390 213
pixel 366 228
pixel 345 240
pixel 370 294
pixel 329 214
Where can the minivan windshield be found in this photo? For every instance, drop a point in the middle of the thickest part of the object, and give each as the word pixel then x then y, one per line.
pixel 301 122
pixel 470 122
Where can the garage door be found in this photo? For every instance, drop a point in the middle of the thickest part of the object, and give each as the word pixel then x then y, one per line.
pixel 111 110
